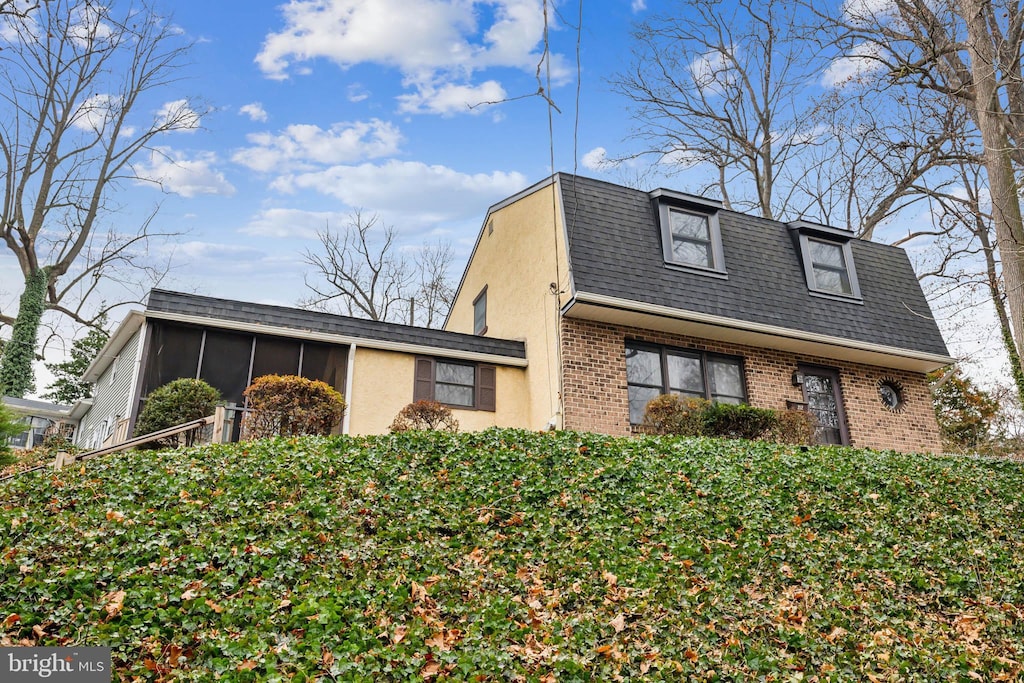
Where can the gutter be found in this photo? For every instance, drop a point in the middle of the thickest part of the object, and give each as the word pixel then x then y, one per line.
pixel 605 301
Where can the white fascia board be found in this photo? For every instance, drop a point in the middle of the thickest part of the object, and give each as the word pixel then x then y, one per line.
pixel 758 334
pixel 129 326
pixel 341 339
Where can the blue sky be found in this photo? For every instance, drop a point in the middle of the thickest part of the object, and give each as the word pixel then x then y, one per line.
pixel 320 108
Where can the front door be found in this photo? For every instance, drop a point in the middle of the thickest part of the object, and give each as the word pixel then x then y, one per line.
pixel 825 403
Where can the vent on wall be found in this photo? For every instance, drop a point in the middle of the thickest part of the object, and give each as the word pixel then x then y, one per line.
pixel 490 227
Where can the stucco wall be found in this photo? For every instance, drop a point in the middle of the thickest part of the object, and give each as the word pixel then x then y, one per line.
pixel 596 393
pixel 382 384
pixel 518 256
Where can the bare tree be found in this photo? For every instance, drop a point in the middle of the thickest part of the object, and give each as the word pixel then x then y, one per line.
pixel 971 52
pixel 76 79
pixel 878 153
pixel 434 293
pixel 726 85
pixel 722 87
pixel 359 271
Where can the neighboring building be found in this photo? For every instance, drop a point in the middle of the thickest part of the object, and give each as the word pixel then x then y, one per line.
pixel 581 301
pixel 41 418
pixel 621 295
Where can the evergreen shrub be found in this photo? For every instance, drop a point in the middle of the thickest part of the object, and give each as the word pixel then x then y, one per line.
pixel 177 402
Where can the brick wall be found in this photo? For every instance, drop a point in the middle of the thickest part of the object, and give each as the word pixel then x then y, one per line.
pixel 595 395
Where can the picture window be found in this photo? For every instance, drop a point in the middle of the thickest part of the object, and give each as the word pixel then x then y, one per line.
pixel 654 370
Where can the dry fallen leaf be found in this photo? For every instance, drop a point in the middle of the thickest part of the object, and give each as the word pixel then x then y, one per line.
pixel 618 623
pixel 114 603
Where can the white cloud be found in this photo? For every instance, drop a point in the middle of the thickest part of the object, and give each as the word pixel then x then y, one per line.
pixel 638 6
pixel 87 25
pixel 254 110
pixel 409 193
pixel 437 45
pixel 176 173
pixel 711 73
pixel 451 99
pixel 178 115
pixel 289 223
pixel 357 93
pixel 867 10
pixel 95 112
pixel 597 160
pixel 302 146
pixel 860 64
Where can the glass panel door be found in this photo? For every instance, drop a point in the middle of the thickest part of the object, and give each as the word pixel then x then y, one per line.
pixel 821 393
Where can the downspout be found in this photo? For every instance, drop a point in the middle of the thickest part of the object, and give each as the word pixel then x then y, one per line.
pixel 349 372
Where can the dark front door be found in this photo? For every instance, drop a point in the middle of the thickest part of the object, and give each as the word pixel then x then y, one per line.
pixel 825 403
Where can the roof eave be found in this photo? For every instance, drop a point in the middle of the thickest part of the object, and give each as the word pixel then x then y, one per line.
pixel 333 338
pixel 603 308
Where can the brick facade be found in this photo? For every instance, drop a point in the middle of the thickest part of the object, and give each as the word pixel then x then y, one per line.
pixel 595 393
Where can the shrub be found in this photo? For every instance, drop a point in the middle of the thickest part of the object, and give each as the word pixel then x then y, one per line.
pixel 289 405
pixel 795 427
pixel 425 415
pixel 738 421
pixel 673 414
pixel 177 402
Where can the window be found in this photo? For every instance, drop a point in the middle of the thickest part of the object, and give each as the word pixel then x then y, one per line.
pixel 828 267
pixel 455 383
pixel 653 370
pixel 480 312
pixel 691 239
pixel 827 257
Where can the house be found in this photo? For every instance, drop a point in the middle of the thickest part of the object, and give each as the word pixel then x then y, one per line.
pixel 40 418
pixel 621 295
pixel 581 301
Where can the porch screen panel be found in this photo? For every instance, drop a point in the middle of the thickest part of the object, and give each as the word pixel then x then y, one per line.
pixel 325 362
pixel 275 356
pixel 226 363
pixel 173 354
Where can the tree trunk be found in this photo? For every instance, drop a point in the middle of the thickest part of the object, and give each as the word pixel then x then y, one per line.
pixel 991 120
pixel 16 377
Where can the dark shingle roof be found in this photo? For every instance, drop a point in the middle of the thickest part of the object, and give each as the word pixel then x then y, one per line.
pixel 162 301
pixel 615 250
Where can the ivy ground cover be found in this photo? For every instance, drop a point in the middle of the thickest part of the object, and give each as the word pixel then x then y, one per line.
pixel 510 555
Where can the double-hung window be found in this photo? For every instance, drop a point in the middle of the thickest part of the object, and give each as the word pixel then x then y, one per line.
pixel 690 233
pixel 653 370
pixel 829 267
pixel 457 384
pixel 827 256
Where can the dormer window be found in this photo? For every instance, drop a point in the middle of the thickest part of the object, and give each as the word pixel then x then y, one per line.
pixel 827 258
pixel 828 267
pixel 691 238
